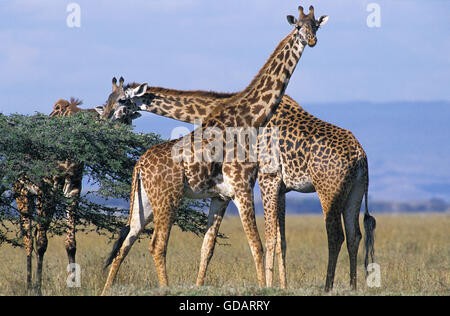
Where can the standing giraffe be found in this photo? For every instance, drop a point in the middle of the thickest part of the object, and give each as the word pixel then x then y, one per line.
pixel 69 182
pixel 160 180
pixel 302 139
pixel 315 157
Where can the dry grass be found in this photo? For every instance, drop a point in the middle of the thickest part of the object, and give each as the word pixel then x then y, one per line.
pixel 412 250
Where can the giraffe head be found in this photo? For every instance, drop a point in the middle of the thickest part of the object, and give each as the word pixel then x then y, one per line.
pixel 114 111
pixel 307 25
pixel 63 107
pixel 133 97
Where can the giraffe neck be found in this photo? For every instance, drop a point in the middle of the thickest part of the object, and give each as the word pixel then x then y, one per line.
pixel 185 106
pixel 193 106
pixel 256 104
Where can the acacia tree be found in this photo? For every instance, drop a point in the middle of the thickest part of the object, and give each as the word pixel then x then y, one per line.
pixel 32 146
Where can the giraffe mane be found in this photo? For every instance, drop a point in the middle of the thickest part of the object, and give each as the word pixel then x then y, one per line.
pixel 75 101
pixel 175 92
pixel 131 85
pixel 261 72
pixel 191 93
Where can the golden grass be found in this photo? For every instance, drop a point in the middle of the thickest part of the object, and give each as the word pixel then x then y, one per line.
pixel 413 252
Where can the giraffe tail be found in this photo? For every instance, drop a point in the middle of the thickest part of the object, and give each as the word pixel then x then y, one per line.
pixel 369 228
pixel 126 229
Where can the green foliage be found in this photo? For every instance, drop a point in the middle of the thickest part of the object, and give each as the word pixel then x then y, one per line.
pixel 31 148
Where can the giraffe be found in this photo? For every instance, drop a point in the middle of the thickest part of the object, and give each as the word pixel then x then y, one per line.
pixel 315 157
pixel 70 182
pixel 300 133
pixel 161 179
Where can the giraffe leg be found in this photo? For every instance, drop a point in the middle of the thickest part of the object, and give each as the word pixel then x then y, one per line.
pixel 217 209
pixel 335 240
pixel 70 243
pixel 45 214
pixel 352 230
pixel 24 206
pixel 132 236
pixel 158 243
pixel 270 188
pixel 281 240
pixel 72 190
pixel 245 205
pixel 141 214
pixel 165 210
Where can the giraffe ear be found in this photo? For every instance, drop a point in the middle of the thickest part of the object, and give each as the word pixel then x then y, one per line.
pixel 292 20
pixel 322 20
pixel 141 90
pixel 100 109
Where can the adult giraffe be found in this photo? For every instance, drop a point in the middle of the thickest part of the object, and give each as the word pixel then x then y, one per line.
pixel 160 180
pixel 315 156
pixel 70 183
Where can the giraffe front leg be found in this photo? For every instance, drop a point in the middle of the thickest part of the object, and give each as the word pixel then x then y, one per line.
pixel 217 209
pixel 244 202
pixel 72 191
pixel 44 213
pixel 70 242
pixel 270 188
pixel 281 240
pixel 25 209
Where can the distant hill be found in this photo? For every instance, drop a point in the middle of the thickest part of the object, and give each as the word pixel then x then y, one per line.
pixel 312 206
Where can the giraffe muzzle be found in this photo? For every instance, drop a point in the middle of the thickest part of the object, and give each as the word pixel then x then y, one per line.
pixel 312 41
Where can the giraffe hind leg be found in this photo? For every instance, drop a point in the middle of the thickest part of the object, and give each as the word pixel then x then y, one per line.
pixel 165 210
pixel 141 215
pixel 352 229
pixel 160 238
pixel 335 236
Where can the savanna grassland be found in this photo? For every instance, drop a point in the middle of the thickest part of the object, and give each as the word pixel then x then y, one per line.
pixel 413 252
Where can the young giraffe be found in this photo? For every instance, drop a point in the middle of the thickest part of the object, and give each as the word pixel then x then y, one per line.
pixel 70 183
pixel 308 147
pixel 160 181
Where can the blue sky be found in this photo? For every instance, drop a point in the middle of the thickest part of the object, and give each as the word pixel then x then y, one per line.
pixel 221 45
